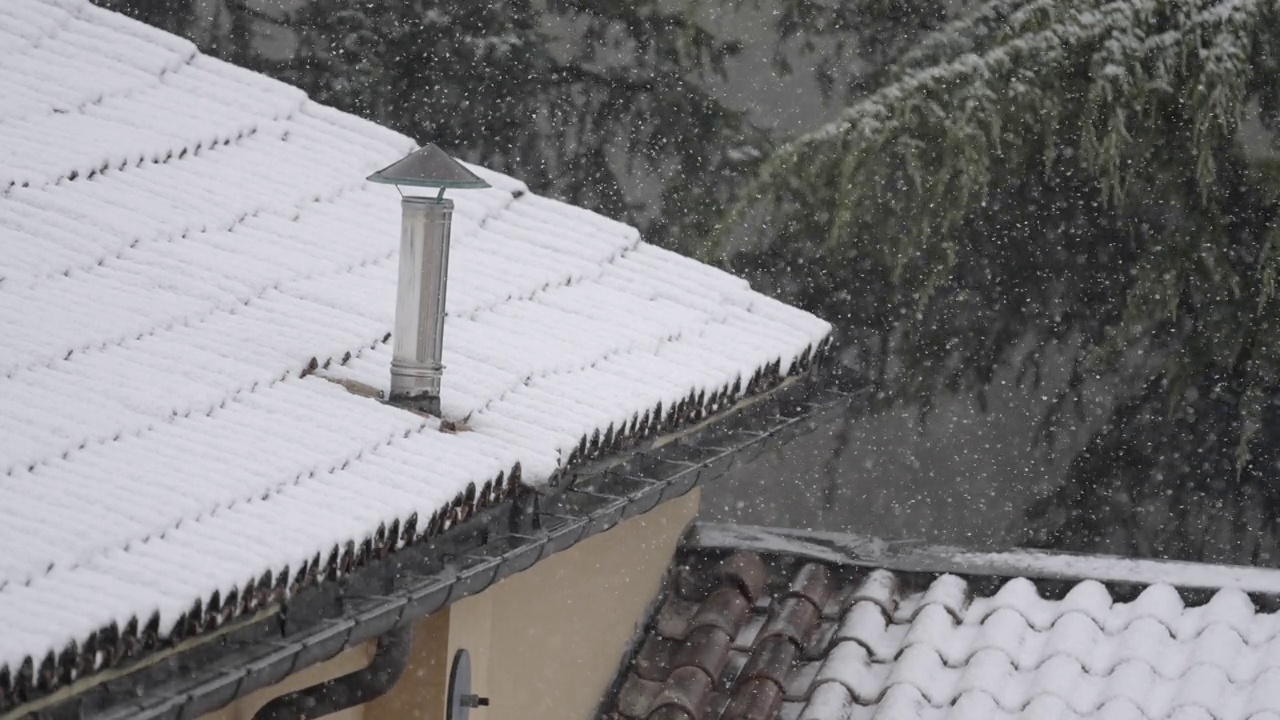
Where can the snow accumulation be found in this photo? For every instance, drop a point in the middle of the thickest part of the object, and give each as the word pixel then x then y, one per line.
pixel 868 551
pixel 910 632
pixel 194 274
pixel 943 653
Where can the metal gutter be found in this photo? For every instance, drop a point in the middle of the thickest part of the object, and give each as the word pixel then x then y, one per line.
pixel 390 659
pixel 327 619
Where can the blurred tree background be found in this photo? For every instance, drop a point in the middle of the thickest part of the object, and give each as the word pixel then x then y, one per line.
pixel 1096 177
pixel 1054 195
pixel 602 103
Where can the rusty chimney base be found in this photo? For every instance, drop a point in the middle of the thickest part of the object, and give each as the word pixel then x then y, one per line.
pixel 416 387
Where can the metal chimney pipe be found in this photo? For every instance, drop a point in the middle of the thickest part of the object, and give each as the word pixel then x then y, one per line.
pixel 418 337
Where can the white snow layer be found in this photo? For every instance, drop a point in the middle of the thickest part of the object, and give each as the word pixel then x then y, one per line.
pixel 180 238
pixel 940 654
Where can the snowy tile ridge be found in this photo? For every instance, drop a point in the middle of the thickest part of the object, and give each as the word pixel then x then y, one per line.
pixel 196 294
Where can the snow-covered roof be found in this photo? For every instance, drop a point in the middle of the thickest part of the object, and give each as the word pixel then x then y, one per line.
pixel 194 277
pixel 788 629
pixel 943 652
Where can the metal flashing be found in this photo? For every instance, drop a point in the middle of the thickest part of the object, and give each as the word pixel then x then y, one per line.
pixel 1123 575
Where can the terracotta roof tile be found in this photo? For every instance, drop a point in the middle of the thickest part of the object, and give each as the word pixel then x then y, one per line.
pixel 726 608
pixel 755 699
pixel 707 649
pixel 835 641
pixel 802 680
pixel 671 712
pixel 728 642
pixel 744 569
pixel 716 704
pixel 687 688
pixel 812 582
pixel 653 662
pixel 795 619
pixel 820 640
pixel 774 659
pixel 636 697
pixel 673 618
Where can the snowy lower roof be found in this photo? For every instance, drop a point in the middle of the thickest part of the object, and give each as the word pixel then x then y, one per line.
pixel 196 292
pixel 784 625
pixel 945 652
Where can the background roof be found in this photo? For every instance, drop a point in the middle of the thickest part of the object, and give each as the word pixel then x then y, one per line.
pixel 793 627
pixel 194 275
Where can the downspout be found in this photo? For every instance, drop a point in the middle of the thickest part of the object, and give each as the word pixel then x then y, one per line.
pixel 389 661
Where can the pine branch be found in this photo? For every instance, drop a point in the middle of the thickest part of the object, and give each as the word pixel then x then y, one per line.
pixel 1142 99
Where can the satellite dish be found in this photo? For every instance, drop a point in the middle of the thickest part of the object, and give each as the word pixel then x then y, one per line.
pixel 461 700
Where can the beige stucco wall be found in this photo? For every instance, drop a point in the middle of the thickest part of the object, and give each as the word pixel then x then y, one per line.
pixel 544 643
pixel 421 691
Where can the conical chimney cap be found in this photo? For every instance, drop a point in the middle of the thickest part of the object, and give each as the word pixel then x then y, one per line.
pixel 428 166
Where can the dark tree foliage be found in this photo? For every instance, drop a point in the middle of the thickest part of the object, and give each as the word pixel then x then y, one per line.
pixel 603 103
pixel 599 103
pixel 1071 173
pixel 1162 479
pixel 174 16
pixel 483 77
pixel 869 33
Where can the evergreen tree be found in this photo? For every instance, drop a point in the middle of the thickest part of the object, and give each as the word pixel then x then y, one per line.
pixel 173 16
pixel 1058 171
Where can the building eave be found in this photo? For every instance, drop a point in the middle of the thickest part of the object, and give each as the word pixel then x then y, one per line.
pixel 210 671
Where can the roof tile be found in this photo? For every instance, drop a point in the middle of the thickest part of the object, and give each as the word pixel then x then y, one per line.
pixel 705 648
pixel 774 659
pixel 919 646
pixel 866 624
pixel 726 608
pixel 671 712
pixel 653 662
pixel 754 699
pixel 721 639
pixel 801 681
pixel 795 618
pixel 636 697
pixel 687 688
pixel 746 570
pixel 882 588
pixel 952 594
pixel 811 583
pixel 828 700
pixel 673 618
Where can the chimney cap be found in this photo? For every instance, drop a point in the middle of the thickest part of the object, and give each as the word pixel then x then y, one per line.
pixel 428 166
